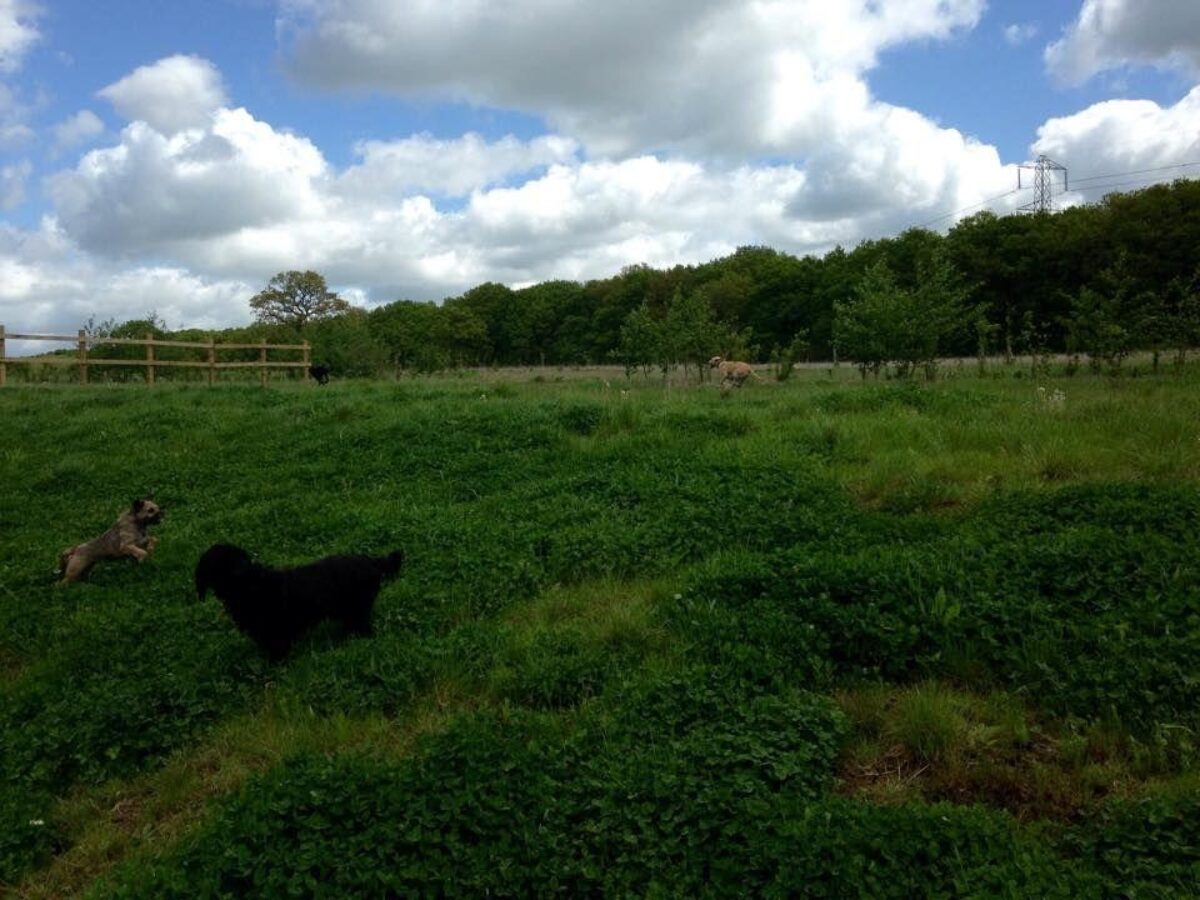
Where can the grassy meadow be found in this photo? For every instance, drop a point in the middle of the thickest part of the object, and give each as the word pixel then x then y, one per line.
pixel 821 638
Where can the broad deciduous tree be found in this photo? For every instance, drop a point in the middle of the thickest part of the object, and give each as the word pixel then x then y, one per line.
pixel 295 299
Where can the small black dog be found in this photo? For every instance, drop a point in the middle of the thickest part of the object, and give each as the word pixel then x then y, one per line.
pixel 321 373
pixel 274 607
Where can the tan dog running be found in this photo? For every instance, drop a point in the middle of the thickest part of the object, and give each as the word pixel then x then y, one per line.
pixel 732 373
pixel 127 537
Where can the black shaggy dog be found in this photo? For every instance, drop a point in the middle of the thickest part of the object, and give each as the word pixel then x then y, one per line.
pixel 320 373
pixel 274 607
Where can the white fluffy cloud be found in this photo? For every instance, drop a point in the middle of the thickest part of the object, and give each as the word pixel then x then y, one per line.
pixel 1019 33
pixel 12 184
pixel 48 285
pixel 78 129
pixel 15 132
pixel 677 131
pixel 450 167
pixel 1113 33
pixel 18 32
pixel 170 95
pixel 232 199
pixel 153 192
pixel 14 135
pixel 241 201
pixel 1126 135
pixel 626 76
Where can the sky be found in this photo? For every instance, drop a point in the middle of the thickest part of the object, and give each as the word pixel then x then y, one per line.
pixel 171 157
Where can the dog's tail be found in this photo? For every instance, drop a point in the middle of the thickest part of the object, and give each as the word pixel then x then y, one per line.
pixel 390 565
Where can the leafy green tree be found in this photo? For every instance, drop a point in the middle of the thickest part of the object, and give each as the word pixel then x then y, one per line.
pixel 347 344
pixel 461 334
pixel 1096 327
pixel 1185 321
pixel 887 324
pixel 984 332
pixel 1152 324
pixel 864 327
pixel 787 357
pixel 295 299
pixel 641 336
pixel 407 330
pixel 1109 319
pixel 544 307
pixel 504 323
pixel 691 335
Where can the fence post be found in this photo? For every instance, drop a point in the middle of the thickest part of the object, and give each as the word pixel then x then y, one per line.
pixel 83 352
pixel 307 374
pixel 150 359
pixel 3 367
pixel 212 360
pixel 262 363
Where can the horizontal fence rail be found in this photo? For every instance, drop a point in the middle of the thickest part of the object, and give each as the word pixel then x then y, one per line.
pixel 83 342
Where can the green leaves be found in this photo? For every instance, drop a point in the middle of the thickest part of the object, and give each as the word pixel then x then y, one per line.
pixel 887 324
pixel 295 299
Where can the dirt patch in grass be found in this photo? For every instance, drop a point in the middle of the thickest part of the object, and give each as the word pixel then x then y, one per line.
pixel 933 743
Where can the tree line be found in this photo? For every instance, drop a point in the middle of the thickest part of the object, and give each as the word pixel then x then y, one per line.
pixel 1101 280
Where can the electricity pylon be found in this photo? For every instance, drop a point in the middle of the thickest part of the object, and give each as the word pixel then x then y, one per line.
pixel 1043 184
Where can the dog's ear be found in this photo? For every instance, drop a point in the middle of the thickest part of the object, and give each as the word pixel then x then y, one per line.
pixel 137 504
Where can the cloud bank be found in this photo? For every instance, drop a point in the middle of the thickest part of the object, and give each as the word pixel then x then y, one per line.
pixel 673 132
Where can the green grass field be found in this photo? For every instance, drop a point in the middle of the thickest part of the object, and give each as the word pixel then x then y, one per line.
pixel 818 638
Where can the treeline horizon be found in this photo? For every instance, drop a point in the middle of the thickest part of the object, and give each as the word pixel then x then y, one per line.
pixel 1103 279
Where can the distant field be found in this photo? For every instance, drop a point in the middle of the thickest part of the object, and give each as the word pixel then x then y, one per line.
pixel 819 637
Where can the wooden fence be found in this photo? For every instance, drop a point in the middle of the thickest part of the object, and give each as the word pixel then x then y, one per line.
pixel 83 341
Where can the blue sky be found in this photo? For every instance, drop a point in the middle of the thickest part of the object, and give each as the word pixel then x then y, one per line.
pixel 174 156
pixel 999 91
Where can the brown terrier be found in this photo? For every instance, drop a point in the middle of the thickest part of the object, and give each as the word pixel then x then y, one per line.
pixel 733 374
pixel 127 537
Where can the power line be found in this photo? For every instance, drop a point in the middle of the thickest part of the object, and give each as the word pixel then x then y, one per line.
pixel 1116 184
pixel 1136 172
pixel 968 208
pixel 1084 190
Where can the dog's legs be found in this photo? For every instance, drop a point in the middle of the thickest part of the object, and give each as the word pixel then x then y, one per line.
pixel 76 567
pixel 136 552
pixel 358 622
